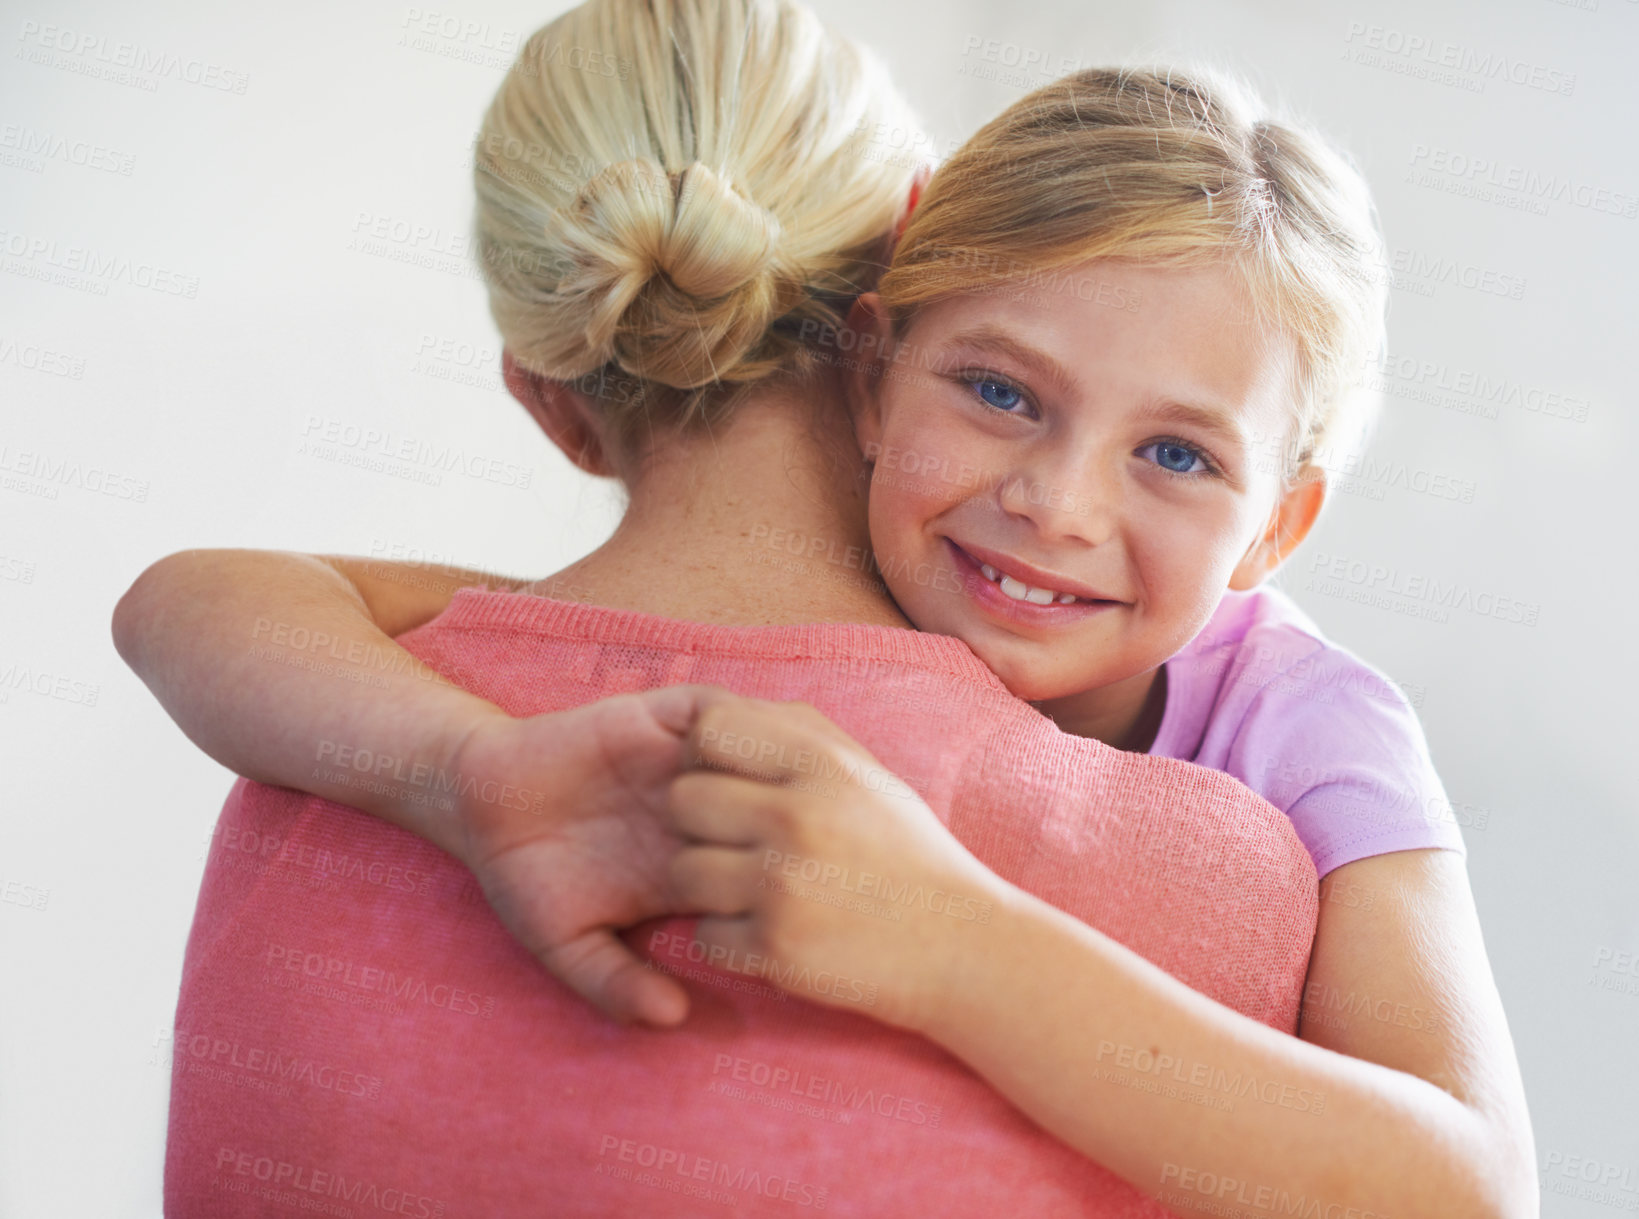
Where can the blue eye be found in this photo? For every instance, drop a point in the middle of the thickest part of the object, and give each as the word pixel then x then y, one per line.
pixel 998 394
pixel 1176 457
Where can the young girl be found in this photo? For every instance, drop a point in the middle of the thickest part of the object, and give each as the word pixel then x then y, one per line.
pixel 1072 486
pixel 1096 465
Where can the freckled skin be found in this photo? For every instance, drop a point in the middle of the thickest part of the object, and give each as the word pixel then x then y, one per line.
pixel 1079 475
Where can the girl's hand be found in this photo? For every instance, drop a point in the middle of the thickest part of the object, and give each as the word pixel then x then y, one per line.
pixel 562 819
pixel 823 873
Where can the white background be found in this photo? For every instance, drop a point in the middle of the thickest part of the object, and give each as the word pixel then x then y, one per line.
pixel 204 403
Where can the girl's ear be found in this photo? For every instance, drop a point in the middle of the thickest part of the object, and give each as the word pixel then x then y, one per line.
pixel 564 415
pixel 1293 516
pixel 871 335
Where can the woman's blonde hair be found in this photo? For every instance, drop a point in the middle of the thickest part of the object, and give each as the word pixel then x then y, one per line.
pixel 1173 168
pixel 668 190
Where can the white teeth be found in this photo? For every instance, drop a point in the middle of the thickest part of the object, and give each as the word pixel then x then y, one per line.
pixel 1020 591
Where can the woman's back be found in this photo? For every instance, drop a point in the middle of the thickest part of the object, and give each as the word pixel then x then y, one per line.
pixel 357 1029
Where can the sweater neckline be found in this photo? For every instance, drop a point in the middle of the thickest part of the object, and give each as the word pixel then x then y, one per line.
pixel 484 608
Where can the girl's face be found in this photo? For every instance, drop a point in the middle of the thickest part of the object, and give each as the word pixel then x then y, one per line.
pixel 1069 482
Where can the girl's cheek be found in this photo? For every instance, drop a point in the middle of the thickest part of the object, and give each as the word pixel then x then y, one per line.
pixel 1182 557
pixel 896 518
pixel 931 422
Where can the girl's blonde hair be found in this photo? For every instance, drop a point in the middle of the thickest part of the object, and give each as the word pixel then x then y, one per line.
pixel 1172 168
pixel 668 190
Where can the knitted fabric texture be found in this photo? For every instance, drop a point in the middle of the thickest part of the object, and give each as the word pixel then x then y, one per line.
pixel 357 1030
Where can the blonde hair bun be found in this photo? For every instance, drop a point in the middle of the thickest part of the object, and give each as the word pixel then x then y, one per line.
pixel 676 274
pixel 684 195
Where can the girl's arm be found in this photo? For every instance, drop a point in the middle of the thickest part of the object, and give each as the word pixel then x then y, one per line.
pixel 1403 1036
pixel 1401 1097
pixel 274 662
pixel 280 667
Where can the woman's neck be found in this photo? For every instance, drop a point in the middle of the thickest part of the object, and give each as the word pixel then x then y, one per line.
pixel 761 523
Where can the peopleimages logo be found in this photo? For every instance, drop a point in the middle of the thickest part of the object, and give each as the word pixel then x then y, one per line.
pixel 354 444
pixel 1468 390
pixel 804 761
pixel 1455 60
pixel 1386 587
pixel 1151 1062
pixel 286 1179
pixel 126 63
pixel 49 473
pixel 45 145
pixel 35 358
pixel 1503 179
pixel 1434 269
pixel 807 1087
pixel 385 767
pixel 758 965
pixel 270 854
pixel 874 885
pixel 272 1063
pixel 686 1166
pixel 88 269
pixel 325 970
pixel 46 684
pixel 1217 1188
pixel 1580 1176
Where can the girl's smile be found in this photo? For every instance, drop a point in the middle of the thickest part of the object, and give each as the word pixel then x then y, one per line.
pixel 1018 592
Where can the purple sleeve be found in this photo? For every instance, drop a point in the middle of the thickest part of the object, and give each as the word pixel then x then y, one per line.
pixel 1352 769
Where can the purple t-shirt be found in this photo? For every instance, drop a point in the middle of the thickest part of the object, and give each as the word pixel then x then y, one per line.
pixel 1262 695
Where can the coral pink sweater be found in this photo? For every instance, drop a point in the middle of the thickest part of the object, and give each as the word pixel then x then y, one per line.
pixel 357 1034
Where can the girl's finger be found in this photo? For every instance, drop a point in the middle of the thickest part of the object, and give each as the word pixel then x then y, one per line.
pixel 757 739
pixel 715 880
pixel 731 945
pixel 675 708
pixel 822 725
pixel 785 743
pixel 726 810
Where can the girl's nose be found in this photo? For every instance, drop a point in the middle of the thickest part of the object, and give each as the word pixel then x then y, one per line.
pixel 1063 504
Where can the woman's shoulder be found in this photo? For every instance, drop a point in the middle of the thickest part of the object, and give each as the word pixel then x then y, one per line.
pixel 500 611
pixel 529 654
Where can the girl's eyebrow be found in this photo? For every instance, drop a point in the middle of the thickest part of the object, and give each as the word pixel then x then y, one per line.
pixel 1209 418
pixel 994 338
